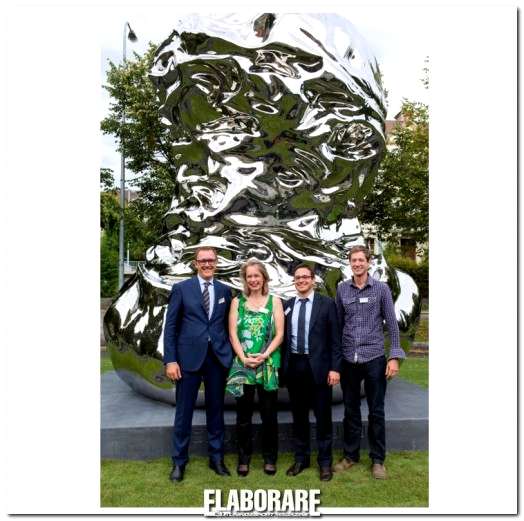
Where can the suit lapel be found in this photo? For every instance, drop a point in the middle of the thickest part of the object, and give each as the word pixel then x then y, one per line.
pixel 314 311
pixel 217 291
pixel 197 291
pixel 288 317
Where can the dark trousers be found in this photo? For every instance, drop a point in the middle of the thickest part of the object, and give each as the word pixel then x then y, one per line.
pixel 373 374
pixel 305 394
pixel 267 402
pixel 213 373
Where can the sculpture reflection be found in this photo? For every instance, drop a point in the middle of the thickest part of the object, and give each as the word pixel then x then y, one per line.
pixel 277 131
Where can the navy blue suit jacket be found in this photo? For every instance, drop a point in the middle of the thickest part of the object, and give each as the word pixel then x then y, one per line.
pixel 187 327
pixel 325 352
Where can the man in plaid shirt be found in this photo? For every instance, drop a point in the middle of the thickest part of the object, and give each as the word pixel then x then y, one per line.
pixel 363 304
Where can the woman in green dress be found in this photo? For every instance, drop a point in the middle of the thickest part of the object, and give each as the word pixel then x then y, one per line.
pixel 256 330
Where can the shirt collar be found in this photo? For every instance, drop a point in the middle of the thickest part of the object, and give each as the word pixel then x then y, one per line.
pixel 309 297
pixel 369 282
pixel 203 281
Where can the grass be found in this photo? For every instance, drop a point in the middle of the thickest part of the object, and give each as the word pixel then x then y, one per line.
pixel 105 363
pixel 415 370
pixel 146 483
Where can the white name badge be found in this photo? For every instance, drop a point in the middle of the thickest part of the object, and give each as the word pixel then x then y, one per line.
pixel 364 300
pixel 222 300
pixel 264 310
pixel 287 311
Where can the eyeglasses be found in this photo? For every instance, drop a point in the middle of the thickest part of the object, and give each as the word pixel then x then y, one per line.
pixel 303 277
pixel 201 262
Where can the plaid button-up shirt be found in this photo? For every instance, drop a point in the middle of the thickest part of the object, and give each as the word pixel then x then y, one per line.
pixel 362 313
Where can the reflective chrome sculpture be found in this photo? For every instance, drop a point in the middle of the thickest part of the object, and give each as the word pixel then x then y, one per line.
pixel 277 126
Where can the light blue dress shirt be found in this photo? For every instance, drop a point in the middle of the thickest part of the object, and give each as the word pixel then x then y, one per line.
pixel 294 321
pixel 211 289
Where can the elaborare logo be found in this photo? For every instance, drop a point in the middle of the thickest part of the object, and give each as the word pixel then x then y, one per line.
pixel 294 502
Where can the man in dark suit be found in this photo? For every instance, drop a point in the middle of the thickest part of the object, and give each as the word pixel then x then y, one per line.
pixel 196 348
pixel 311 366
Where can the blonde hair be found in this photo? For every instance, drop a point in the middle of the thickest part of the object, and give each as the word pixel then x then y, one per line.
pixel 261 269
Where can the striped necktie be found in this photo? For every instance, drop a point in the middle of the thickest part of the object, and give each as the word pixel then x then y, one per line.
pixel 205 294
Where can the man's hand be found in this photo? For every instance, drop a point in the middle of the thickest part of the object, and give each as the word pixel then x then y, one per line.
pixel 333 378
pixel 392 368
pixel 173 371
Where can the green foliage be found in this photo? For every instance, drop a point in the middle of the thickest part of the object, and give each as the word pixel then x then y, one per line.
pixel 109 212
pixel 146 483
pixel 106 179
pixel 109 227
pixel 419 271
pixel 146 144
pixel 108 264
pixel 398 206
pixel 422 334
pixel 144 141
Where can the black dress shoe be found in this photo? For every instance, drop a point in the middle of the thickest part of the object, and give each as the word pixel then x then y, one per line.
pixel 270 469
pixel 297 468
pixel 326 473
pixel 220 468
pixel 177 473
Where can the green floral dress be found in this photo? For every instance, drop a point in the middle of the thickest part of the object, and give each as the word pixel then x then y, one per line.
pixel 254 330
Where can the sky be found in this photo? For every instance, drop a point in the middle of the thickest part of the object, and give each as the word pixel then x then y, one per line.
pixel 382 28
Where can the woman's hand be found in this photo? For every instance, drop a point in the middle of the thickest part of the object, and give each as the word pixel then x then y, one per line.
pixel 260 358
pixel 253 361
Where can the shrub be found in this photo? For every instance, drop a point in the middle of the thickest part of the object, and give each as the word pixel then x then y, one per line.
pixel 419 272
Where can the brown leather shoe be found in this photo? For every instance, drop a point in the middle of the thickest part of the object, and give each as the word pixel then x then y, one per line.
pixel 344 464
pixel 379 471
pixel 326 473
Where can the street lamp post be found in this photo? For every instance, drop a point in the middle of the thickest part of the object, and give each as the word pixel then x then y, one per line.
pixel 128 33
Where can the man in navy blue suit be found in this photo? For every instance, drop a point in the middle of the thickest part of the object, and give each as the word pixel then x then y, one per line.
pixel 196 348
pixel 311 363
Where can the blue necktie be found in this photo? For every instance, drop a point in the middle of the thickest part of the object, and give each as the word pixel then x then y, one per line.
pixel 301 331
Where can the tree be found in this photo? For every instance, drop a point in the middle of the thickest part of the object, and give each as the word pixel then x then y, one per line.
pixel 109 228
pixel 146 145
pixel 109 206
pixel 108 264
pixel 135 230
pixel 398 205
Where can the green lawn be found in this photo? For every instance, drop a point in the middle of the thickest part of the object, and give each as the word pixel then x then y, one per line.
pixel 105 362
pixel 415 370
pixel 146 483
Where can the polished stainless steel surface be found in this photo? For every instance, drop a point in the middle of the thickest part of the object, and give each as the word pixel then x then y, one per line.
pixel 277 127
